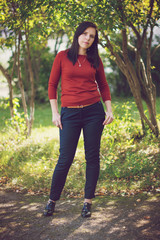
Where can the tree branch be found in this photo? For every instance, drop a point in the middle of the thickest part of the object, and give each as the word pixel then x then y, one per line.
pixel 15 56
pixel 132 47
pixel 5 73
pixel 135 30
pixel 150 37
pixel 148 20
pixel 155 49
pixel 119 61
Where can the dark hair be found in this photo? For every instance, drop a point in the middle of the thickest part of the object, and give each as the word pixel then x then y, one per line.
pixel 92 51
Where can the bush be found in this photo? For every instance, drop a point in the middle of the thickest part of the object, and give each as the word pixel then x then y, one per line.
pixel 126 156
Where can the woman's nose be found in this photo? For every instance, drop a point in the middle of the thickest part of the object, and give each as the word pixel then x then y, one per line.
pixel 87 37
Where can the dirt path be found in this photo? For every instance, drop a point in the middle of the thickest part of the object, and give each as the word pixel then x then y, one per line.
pixel 113 218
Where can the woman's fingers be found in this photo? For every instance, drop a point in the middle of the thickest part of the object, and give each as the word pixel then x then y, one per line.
pixel 109 118
pixel 57 121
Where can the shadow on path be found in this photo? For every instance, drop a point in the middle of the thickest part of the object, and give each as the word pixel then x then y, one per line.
pixel 113 218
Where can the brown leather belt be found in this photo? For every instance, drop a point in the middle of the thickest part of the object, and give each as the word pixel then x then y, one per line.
pixel 80 106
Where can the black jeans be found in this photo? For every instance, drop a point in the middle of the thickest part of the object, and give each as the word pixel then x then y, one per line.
pixel 90 119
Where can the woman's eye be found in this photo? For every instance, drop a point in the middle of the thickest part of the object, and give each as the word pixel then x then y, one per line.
pixel 91 36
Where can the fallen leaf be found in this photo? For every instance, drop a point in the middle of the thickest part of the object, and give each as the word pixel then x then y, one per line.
pixel 147 217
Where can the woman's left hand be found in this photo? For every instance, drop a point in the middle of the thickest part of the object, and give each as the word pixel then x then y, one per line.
pixel 109 118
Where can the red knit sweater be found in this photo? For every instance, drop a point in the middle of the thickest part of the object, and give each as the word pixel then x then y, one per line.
pixel 79 85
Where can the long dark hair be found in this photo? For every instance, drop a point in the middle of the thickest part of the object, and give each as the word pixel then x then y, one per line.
pixel 92 51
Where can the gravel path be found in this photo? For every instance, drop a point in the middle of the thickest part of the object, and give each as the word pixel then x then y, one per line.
pixel 113 218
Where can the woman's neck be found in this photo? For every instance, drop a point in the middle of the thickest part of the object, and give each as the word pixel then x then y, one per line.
pixel 82 51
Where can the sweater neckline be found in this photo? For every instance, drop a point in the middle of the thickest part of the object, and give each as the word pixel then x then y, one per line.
pixel 82 55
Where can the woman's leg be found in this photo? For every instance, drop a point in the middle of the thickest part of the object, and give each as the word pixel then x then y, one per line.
pixel 92 131
pixel 69 136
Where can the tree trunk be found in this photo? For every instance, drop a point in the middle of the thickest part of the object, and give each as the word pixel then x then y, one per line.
pixel 36 68
pixel 148 89
pixel 21 84
pixel 137 85
pixel 32 85
pixel 26 75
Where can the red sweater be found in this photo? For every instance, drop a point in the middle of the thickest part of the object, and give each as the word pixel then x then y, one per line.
pixel 79 85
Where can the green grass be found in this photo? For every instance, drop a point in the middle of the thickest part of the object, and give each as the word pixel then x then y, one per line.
pixel 43 112
pixel 43 116
pixel 128 163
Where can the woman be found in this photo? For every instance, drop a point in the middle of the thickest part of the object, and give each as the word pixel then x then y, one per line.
pixel 82 82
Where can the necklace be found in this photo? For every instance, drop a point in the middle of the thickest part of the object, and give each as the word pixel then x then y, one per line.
pixel 80 63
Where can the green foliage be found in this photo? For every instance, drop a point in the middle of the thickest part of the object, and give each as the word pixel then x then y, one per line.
pixel 27 164
pixel 16 124
pixel 42 18
pixel 124 124
pixel 4 112
pixel 129 163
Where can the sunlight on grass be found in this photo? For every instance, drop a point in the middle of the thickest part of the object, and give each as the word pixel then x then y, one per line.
pixel 45 132
pixel 129 163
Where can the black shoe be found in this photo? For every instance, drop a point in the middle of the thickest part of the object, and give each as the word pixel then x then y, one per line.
pixel 49 209
pixel 86 210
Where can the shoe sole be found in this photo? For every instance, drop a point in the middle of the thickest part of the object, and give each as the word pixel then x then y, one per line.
pixel 46 214
pixel 86 215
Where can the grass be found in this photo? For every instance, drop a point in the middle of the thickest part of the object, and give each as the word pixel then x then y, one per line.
pixel 128 163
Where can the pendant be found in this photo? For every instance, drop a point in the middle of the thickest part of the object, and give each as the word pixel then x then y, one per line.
pixel 80 65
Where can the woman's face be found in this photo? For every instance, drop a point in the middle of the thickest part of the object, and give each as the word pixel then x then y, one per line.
pixel 86 39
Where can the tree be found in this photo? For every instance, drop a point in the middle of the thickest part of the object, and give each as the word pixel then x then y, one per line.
pixel 26 22
pixel 18 20
pixel 128 17
pixel 13 22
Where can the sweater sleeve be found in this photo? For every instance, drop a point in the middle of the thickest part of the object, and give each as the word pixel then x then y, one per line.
pixel 102 83
pixel 54 77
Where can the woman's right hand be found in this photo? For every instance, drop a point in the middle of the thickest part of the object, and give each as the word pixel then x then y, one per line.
pixel 56 119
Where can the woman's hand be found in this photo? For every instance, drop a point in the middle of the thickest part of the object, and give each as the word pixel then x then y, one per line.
pixel 109 118
pixel 56 119
pixel 109 115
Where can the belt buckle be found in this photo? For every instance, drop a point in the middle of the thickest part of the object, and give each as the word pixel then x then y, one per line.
pixel 81 106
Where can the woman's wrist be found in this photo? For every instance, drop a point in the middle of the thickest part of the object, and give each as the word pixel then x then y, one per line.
pixel 108 106
pixel 54 106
